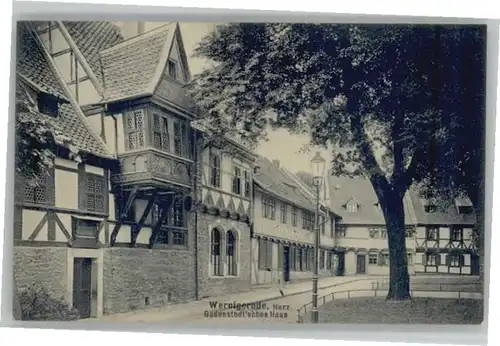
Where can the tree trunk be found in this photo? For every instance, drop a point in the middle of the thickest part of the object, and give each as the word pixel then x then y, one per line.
pixel 399 279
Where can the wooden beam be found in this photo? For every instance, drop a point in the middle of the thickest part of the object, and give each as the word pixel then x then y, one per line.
pixel 138 226
pixel 123 215
pixel 163 216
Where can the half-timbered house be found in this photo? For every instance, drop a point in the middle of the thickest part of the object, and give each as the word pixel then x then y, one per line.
pixel 61 219
pixel 360 236
pixel 444 236
pixel 283 232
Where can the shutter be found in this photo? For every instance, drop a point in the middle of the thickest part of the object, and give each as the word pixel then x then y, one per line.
pixel 262 254
pixel 280 256
pixel 81 187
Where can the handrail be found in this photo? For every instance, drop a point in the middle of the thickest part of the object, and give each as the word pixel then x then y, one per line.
pixel 375 289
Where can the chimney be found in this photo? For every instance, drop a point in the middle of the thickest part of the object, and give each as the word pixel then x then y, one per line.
pixel 256 169
pixel 276 163
pixel 141 27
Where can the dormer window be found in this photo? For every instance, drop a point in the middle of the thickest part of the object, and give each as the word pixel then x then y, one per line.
pixel 352 207
pixel 430 208
pixel 465 210
pixel 48 104
pixel 172 69
pixel 463 205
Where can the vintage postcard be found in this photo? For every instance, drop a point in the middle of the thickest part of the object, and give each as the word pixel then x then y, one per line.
pixel 241 173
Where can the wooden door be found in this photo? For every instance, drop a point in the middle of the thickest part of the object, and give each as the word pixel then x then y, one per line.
pixel 286 264
pixel 361 264
pixel 474 264
pixel 82 286
pixel 340 263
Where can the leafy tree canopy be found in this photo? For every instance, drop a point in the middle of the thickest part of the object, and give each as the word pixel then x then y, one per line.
pixel 388 98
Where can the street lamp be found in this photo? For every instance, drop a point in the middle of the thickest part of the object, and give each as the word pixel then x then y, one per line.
pixel 318 168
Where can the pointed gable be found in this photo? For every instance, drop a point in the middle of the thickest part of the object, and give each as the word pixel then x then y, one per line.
pixel 130 68
pixel 37 72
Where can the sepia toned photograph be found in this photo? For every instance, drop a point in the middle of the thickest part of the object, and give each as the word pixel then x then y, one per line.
pixel 249 173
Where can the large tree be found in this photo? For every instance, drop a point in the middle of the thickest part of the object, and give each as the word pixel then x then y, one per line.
pixel 380 95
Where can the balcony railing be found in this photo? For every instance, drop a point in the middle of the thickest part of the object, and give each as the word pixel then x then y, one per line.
pixel 153 165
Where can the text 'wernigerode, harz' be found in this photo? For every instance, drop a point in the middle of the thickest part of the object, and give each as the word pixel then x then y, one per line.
pixel 247 310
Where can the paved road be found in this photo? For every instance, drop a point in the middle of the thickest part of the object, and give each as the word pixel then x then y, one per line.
pixel 282 310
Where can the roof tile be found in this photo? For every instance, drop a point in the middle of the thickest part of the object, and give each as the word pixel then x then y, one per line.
pixel 34 69
pixel 129 67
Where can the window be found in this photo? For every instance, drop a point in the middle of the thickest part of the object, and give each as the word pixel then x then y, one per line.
pixel 84 228
pixel 307 220
pixel 172 69
pixel 432 233
pixel 305 259
pixel 457 234
pixel 432 259
pixel 340 231
pixel 284 212
pixel 322 223
pixel 322 259
pixel 48 105
pixel 237 180
pixel 372 259
pixel 409 258
pixel 85 232
pixel 352 207
pixel 161 139
pixel 215 252
pixel 215 172
pixel 231 253
pixel 41 191
pixel 94 193
pixel 177 139
pixel 294 216
pixel 464 210
pixel 455 260
pixel 265 254
pixel 409 232
pixel 247 184
pixel 329 259
pixel 384 259
pixel 135 129
pixel 175 225
pixel 430 208
pixel 373 232
pixel 383 233
pixel 268 207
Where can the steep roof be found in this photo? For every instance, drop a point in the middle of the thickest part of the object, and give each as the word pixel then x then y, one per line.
pixel 446 215
pixel 344 189
pixel 35 72
pixel 91 38
pixel 271 178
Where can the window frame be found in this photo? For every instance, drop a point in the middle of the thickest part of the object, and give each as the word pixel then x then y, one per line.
pixel 460 231
pixel 216 252
pixel 268 207
pixel 162 129
pixel 45 181
pixel 232 253
pixel 283 212
pixel 432 230
pixel 371 257
pixel 236 180
pixel 96 178
pixel 135 129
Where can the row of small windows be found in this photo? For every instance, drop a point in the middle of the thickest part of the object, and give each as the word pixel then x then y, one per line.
pixel 269 212
pixel 223 251
pixel 240 179
pixel 299 258
pixel 456 233
pixel 451 260
pixel 91 191
pixel 136 133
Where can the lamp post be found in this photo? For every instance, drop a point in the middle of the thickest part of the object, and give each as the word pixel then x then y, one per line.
pixel 318 167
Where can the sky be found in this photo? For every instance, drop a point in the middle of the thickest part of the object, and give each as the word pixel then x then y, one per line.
pixel 281 145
